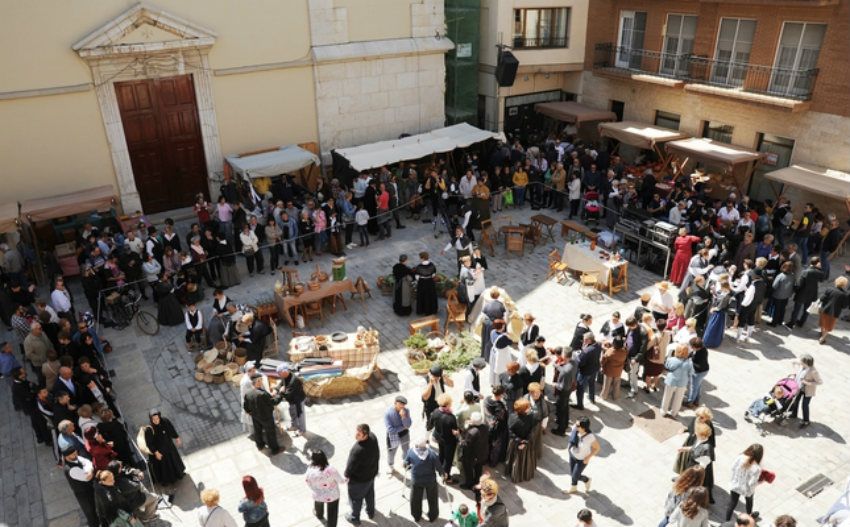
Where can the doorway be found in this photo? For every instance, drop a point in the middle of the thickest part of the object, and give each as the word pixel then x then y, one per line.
pixel 618 107
pixel 164 141
pixel 778 152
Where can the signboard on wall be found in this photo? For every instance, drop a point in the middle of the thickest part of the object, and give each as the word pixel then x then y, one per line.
pixel 463 50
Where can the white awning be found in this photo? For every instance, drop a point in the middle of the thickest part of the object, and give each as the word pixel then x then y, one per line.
pixel 438 141
pixel 98 199
pixel 712 151
pixel 637 134
pixel 820 180
pixel 286 160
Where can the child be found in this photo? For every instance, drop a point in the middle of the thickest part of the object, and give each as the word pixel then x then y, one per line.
pixel 362 219
pixel 463 518
pixel 585 518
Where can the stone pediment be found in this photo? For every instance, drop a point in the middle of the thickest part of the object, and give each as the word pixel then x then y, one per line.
pixel 143 29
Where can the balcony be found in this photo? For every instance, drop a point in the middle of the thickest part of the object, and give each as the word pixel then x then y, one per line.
pixel 783 87
pixel 540 42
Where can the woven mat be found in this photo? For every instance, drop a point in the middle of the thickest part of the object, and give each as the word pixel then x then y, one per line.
pixel 659 428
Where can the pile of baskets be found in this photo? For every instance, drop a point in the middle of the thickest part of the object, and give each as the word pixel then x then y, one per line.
pixel 220 364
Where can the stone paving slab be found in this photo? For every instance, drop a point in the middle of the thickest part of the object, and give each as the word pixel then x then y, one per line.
pixel 631 475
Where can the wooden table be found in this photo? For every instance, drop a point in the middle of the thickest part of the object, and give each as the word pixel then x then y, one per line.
pixel 329 289
pixel 547 221
pixel 514 234
pixel 584 230
pixel 579 257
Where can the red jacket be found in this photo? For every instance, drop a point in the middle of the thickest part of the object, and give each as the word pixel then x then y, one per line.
pixel 101 454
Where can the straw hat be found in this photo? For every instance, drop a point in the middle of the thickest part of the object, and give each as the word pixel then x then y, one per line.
pixel 664 285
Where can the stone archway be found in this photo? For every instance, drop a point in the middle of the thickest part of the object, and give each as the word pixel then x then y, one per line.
pixel 146 43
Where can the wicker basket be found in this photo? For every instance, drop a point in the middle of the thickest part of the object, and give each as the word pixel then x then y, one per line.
pixel 208 378
pixel 208 367
pixel 199 376
pixel 313 286
pixel 236 379
pixel 228 374
pixel 201 365
pixel 334 387
pixel 240 356
pixel 198 358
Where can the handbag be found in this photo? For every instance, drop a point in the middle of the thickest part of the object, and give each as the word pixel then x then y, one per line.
pixel 814 307
pixel 682 461
pixel 508 197
pixel 767 476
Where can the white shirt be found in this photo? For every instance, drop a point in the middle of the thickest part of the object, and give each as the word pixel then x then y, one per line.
pixel 61 300
pixel 728 216
pixel 675 216
pixel 249 241
pixel 584 447
pixel 199 325
pixel 465 186
pixel 574 187
pixel 136 245
pixel 83 473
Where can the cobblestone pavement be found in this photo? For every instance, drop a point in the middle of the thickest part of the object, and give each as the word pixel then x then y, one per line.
pixel 631 475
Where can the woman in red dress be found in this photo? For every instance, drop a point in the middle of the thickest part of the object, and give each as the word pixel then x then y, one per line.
pixel 683 245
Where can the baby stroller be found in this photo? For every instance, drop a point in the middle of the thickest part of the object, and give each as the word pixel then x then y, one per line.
pixel 776 403
pixel 592 208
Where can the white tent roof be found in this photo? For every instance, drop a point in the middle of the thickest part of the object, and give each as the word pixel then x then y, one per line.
pixel 639 134
pixel 416 146
pixel 820 180
pixel 286 160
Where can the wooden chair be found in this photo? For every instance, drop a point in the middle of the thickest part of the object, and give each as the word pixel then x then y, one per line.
pixel 455 312
pixel 515 242
pixel 431 323
pixel 557 268
pixel 621 282
pixel 503 220
pixel 312 309
pixel 588 283
pixel 533 234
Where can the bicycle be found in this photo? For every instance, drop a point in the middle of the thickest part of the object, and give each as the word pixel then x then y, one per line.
pixel 124 308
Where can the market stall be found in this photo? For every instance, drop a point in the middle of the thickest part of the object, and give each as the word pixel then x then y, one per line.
pixel 349 161
pixel 9 218
pixel 823 181
pixel 641 135
pixel 53 223
pixel 730 167
pixel 579 116
pixel 336 365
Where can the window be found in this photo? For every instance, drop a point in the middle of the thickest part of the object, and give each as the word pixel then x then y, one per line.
pixel 797 55
pixel 630 45
pixel 717 131
pixel 667 119
pixel 678 44
pixel 542 28
pixel 732 55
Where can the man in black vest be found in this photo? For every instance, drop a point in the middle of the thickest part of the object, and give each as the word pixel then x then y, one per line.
pixel 293 392
pixel 79 472
pixel 472 378
pixel 563 387
pixel 753 297
pixel 437 383
pixel 260 405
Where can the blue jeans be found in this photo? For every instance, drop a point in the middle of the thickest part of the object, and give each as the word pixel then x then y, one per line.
pixel 585 383
pixel 696 384
pixel 519 196
pixel 576 469
pixel 359 491
pixel 824 264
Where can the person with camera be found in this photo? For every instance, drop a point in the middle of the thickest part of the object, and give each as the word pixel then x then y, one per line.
pixel 136 499
pixel 397 422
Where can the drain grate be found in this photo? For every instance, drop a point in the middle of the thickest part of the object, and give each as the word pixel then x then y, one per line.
pixel 814 486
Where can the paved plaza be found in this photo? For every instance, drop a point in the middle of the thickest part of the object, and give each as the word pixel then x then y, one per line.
pixel 631 476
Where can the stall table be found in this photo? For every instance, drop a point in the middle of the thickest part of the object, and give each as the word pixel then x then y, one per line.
pixel 584 230
pixel 359 363
pixel 285 303
pixel 580 257
pixel 546 221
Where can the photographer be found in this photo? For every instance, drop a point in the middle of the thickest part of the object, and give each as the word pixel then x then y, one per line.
pixel 137 500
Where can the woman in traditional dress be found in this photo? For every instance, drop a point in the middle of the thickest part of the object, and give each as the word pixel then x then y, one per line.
pixel 479 263
pixel 716 326
pixel 403 288
pixel 496 414
pixel 522 461
pixel 169 311
pixel 228 275
pixel 540 411
pixel 684 251
pixel 426 290
pixel 161 441
pixel 466 282
pixel 500 350
pixel 703 415
pixel 492 310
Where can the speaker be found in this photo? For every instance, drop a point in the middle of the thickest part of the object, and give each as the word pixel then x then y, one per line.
pixel 506 69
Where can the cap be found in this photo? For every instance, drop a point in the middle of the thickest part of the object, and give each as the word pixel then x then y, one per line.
pixel 479 363
pixel 436 370
pixel 401 399
pixel 68 450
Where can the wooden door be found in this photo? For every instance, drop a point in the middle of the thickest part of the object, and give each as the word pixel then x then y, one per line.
pixel 160 119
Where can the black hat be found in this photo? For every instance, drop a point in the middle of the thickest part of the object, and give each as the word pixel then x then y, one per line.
pixel 479 363
pixel 436 370
pixel 68 450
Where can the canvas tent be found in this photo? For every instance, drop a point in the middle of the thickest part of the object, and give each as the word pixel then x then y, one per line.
pixel 820 180
pixel 8 217
pixel 438 141
pixel 43 209
pixel 736 161
pixel 573 112
pixel 285 160
pixel 637 134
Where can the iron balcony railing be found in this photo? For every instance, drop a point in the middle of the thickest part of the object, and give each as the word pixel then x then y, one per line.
pixel 780 82
pixel 540 42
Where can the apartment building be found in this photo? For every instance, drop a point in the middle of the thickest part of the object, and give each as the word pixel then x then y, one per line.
pixel 548 39
pixel 770 75
pixel 150 96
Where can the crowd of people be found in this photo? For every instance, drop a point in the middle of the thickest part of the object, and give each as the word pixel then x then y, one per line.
pixel 734 264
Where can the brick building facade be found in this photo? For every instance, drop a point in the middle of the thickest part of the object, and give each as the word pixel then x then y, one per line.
pixel 769 75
